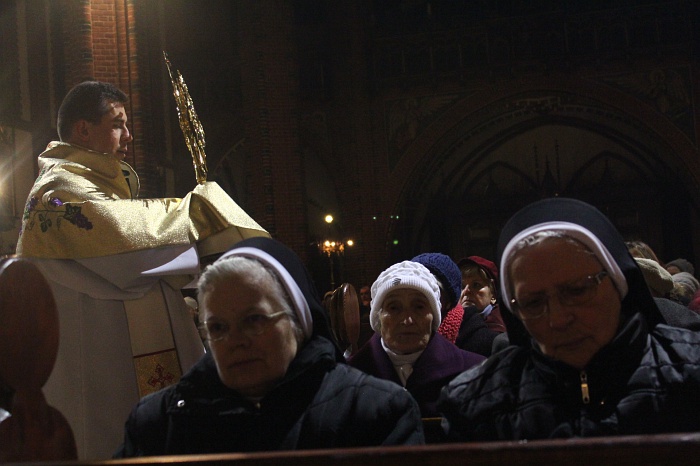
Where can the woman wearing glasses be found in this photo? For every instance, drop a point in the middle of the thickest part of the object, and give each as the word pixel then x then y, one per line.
pixel 272 378
pixel 592 355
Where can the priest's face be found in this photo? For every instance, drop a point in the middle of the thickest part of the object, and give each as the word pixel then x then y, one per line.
pixel 109 136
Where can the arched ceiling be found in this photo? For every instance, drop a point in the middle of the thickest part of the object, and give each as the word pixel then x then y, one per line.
pixel 495 159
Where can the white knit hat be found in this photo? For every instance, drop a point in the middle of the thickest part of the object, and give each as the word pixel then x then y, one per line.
pixel 406 274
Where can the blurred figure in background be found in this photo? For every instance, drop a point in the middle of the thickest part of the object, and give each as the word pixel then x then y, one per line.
pixel 480 289
pixel 366 331
pixel 365 300
pixel 684 287
pixel 641 249
pixel 680 265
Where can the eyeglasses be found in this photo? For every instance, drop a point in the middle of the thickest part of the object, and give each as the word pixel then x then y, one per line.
pixel 575 293
pixel 251 325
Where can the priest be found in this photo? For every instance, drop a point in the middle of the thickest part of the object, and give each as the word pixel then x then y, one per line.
pixel 116 265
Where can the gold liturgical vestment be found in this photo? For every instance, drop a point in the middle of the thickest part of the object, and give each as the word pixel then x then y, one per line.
pixel 81 206
pixel 116 265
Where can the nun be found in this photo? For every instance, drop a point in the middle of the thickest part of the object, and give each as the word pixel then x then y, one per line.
pixel 590 354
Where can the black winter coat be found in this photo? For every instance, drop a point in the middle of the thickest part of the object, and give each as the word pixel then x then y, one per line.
pixel 641 383
pixel 320 404
pixel 474 335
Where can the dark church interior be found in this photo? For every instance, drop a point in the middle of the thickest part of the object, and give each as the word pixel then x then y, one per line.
pixel 416 125
pixel 419 125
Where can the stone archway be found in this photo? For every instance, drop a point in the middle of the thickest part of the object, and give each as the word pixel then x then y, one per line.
pixel 636 165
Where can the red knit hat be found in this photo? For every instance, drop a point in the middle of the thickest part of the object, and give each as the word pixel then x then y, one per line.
pixel 484 264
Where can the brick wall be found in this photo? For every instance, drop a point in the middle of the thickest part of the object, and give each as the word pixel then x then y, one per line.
pixel 101 44
pixel 270 104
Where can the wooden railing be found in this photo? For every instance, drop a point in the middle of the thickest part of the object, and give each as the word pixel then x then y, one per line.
pixel 666 449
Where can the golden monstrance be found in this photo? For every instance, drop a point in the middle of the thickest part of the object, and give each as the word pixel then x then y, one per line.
pixel 189 123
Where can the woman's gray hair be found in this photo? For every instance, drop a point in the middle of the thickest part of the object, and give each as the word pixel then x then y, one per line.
pixel 218 273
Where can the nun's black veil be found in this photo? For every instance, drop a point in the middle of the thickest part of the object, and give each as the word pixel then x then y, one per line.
pixel 293 264
pixel 638 299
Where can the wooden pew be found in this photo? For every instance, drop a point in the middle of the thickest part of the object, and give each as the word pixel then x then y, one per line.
pixel 344 313
pixel 29 334
pixel 665 449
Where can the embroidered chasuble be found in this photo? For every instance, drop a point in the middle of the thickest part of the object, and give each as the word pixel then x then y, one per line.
pixel 81 206
pixel 116 265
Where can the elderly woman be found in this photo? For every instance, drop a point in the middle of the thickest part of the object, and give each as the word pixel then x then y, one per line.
pixel 272 380
pixel 479 289
pixel 406 348
pixel 463 326
pixel 591 353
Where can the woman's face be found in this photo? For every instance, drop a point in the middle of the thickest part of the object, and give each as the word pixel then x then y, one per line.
pixel 250 364
pixel 553 268
pixel 476 290
pixel 406 321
